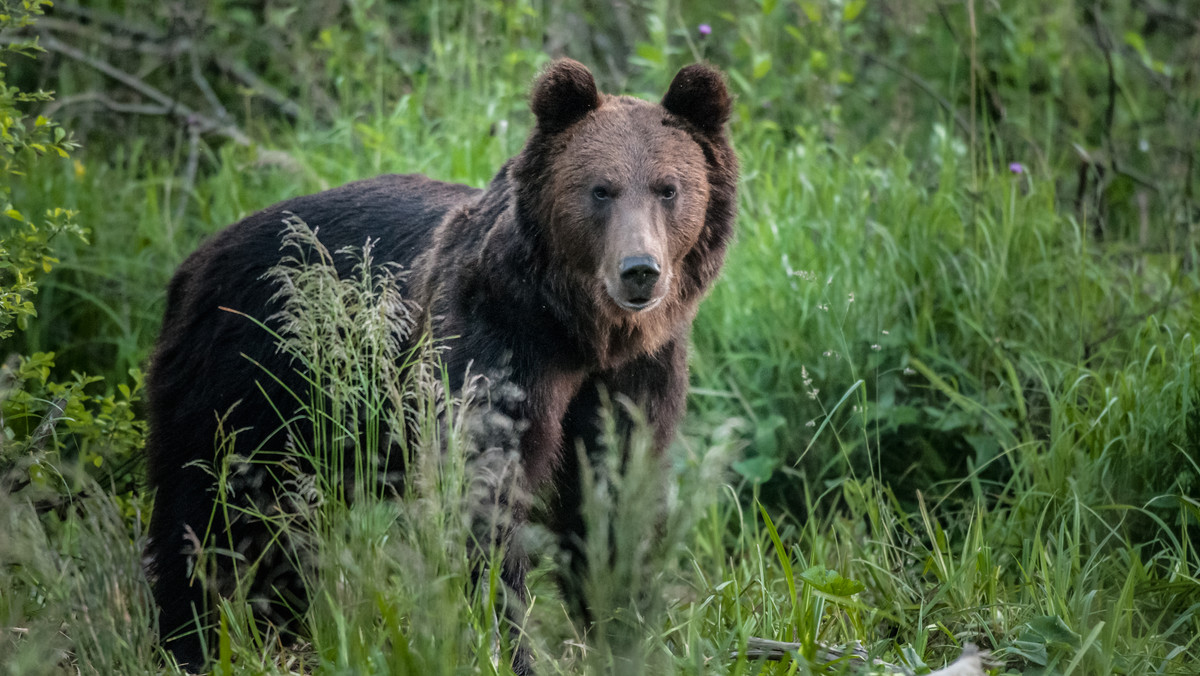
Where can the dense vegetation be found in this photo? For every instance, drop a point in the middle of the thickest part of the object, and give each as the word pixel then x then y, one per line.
pixel 947 391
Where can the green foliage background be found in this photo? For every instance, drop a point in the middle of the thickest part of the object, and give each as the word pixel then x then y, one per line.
pixel 954 349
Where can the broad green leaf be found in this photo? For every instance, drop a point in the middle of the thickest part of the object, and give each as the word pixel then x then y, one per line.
pixel 762 65
pixel 757 469
pixel 812 10
pixel 766 439
pixel 831 582
pixel 1136 41
pixel 650 53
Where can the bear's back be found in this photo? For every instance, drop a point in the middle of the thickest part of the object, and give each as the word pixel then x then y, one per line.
pixel 204 348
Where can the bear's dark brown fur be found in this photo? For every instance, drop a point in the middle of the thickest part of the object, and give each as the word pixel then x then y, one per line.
pixel 579 268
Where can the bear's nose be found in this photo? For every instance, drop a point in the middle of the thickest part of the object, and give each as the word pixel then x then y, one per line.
pixel 638 276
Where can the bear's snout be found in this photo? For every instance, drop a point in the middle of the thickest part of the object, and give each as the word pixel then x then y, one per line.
pixel 639 274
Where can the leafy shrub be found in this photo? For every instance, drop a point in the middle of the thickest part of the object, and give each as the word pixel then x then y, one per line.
pixel 52 430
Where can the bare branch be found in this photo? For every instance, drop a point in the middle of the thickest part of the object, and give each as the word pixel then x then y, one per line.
pixel 205 88
pixel 135 83
pixel 260 86
pixel 101 98
pixel 189 172
pixel 157 46
pixel 160 45
pixel 109 20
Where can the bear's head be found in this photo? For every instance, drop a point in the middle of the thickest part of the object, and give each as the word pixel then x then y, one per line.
pixel 633 200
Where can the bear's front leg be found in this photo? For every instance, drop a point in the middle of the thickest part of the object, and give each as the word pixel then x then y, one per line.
pixel 657 385
pixel 512 436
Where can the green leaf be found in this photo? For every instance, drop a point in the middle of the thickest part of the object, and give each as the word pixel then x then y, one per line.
pixel 757 469
pixel 985 445
pixel 1050 631
pixel 831 582
pixel 812 10
pixel 762 65
pixel 853 9
pixel 1136 41
pixel 766 438
pixel 1032 651
pixel 650 53
pixel 818 59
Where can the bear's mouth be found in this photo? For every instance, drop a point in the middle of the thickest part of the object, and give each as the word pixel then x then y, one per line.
pixel 636 303
pixel 639 304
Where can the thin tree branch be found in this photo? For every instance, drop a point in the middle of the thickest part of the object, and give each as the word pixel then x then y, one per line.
pixel 260 86
pixel 145 42
pixel 924 86
pixel 135 83
pixel 103 99
pixel 157 46
pixel 109 20
pixel 189 172
pixel 205 88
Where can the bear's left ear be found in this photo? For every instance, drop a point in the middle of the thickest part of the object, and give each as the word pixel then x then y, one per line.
pixel 698 95
pixel 563 95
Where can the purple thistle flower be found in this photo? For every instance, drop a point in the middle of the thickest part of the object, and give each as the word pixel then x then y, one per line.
pixel 705 30
pixel 1016 168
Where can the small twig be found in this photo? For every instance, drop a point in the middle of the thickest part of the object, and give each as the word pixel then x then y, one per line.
pixel 1117 326
pixel 189 172
pixel 1143 204
pixel 1110 107
pixel 260 86
pixel 101 98
pixel 924 86
pixel 108 20
pixel 205 88
pixel 157 46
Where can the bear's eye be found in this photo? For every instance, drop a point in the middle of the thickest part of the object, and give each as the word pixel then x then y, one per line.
pixel 667 193
pixel 601 193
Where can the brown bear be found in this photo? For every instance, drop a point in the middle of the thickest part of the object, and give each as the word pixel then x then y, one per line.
pixel 578 270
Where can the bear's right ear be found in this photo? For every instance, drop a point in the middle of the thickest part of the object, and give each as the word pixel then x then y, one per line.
pixel 563 95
